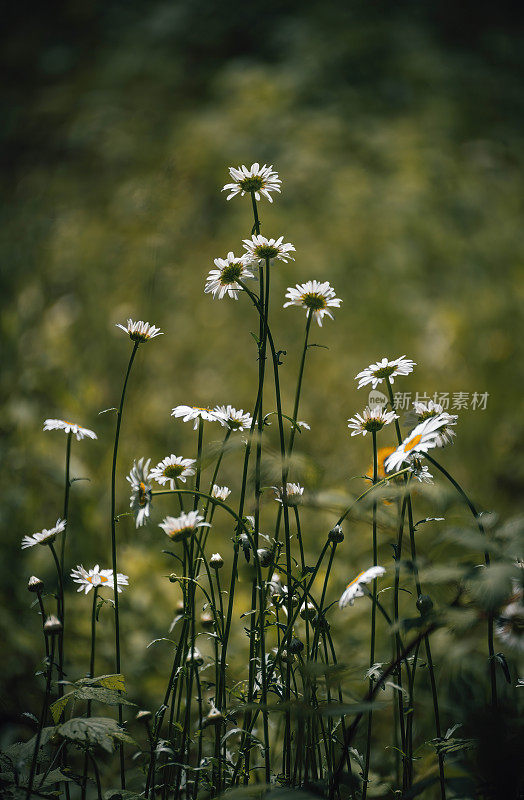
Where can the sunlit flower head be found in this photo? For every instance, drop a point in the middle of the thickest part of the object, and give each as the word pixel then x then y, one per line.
pixel 258 249
pixel 371 420
pixel 230 418
pixel 354 589
pixel 224 279
pixel 510 625
pixel 257 180
pixel 140 500
pixel 425 411
pixel 140 331
pixel 171 469
pixel 315 296
pixel 421 439
pixel 178 528
pixel 294 492
pixel 384 370
pixel 220 492
pixel 69 427
pixel 96 577
pixel 194 413
pixel 47 536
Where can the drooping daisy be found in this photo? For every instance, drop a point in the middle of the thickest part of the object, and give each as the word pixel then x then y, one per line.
pixel 383 370
pixel 140 331
pixel 69 427
pixel 140 500
pixel 178 528
pixel 47 536
pixel 510 625
pixel 259 249
pixel 194 413
pixel 294 491
pixel 224 279
pixel 88 579
pixel 420 471
pixel 354 589
pixel 230 418
pixel 257 180
pixel 371 420
pixel 421 439
pixel 425 411
pixel 316 297
pixel 220 492
pixel 172 468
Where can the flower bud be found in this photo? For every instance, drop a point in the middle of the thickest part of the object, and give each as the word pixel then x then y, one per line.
pixel 173 578
pixel 179 608
pixel 215 717
pixel 265 557
pixel 296 646
pixel 195 657
pixel 143 716
pixel 34 584
pixel 207 620
pixel 336 534
pixel 424 604
pixel 216 561
pixel 52 625
pixel 308 611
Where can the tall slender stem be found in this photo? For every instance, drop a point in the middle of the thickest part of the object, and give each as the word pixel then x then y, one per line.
pixel 67 486
pixel 41 721
pixel 373 623
pixel 113 546
pixel 299 383
pixel 91 674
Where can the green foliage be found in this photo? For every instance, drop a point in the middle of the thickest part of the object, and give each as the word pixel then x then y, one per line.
pixel 94 731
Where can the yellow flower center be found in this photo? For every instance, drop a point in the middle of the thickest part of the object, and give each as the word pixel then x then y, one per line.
pixel 412 443
pixel 173 471
pixel 142 495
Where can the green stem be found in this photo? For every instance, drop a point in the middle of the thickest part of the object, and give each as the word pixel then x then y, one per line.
pixel 487 561
pixel 113 547
pixel 91 674
pixel 309 317
pixel 41 722
pixel 373 623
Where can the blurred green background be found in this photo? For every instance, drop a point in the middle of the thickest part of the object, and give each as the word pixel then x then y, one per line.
pixel 397 130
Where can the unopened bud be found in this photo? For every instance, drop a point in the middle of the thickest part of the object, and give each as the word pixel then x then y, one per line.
pixel 143 716
pixel 195 657
pixel 173 578
pixel 179 608
pixel 424 604
pixel 216 561
pixel 34 584
pixel 207 620
pixel 52 625
pixel 265 557
pixel 308 611
pixel 215 717
pixel 336 534
pixel 296 646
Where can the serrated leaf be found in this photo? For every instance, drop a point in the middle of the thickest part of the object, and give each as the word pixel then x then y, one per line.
pixel 100 731
pixel 116 682
pixel 58 707
pixel 102 695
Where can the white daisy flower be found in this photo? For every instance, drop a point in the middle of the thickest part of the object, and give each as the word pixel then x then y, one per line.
pixel 354 589
pixel 257 180
pixel 371 420
pixel 420 471
pixel 259 249
pixel 421 439
pixel 316 297
pixel 194 413
pixel 69 427
pixel 140 500
pixel 97 577
pixel 230 418
pixel 223 280
pixel 220 492
pixel 384 369
pixel 140 331
pixel 172 468
pixel 47 536
pixel 425 411
pixel 510 626
pixel 178 528
pixel 294 491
